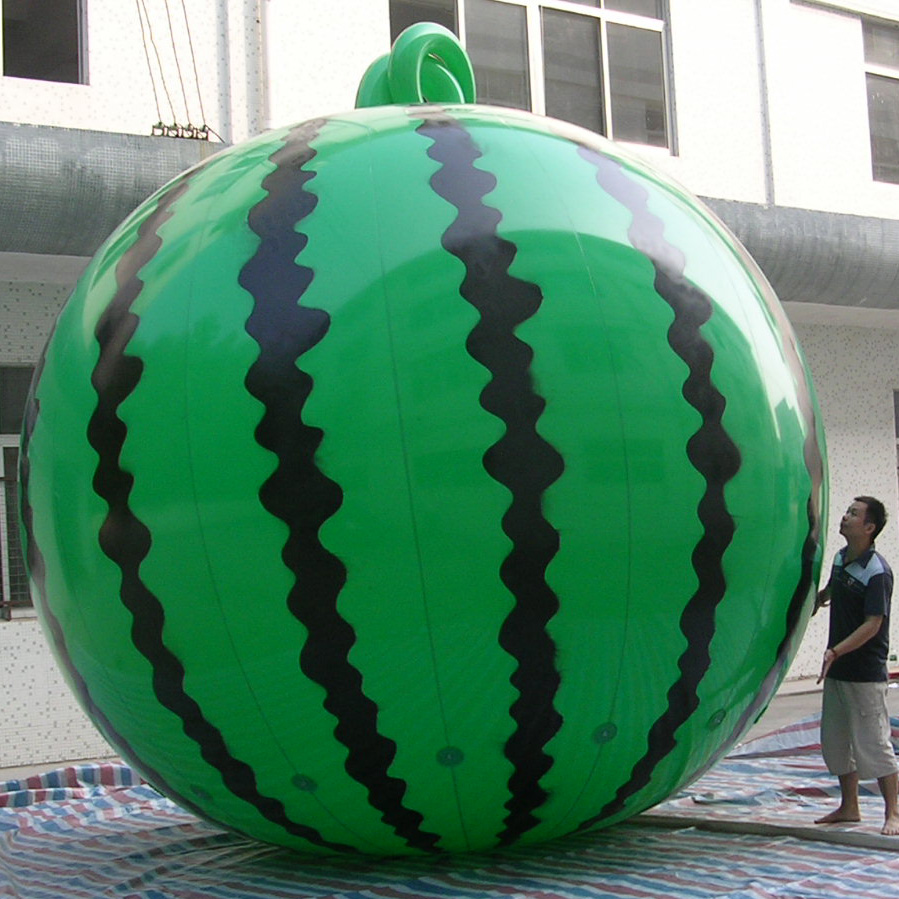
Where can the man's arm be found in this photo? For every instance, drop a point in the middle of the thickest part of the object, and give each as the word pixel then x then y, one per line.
pixel 864 632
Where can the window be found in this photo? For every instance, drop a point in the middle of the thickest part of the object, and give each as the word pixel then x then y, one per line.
pixel 14 594
pixel 882 73
pixel 42 40
pixel 497 42
pixel 404 14
pixel 597 63
pixel 896 421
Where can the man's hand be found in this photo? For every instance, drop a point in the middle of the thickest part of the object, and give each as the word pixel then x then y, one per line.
pixel 821 600
pixel 864 632
pixel 829 656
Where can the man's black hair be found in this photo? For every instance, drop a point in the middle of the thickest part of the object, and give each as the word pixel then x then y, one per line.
pixel 875 514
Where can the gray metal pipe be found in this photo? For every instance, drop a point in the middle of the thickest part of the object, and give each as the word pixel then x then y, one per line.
pixel 820 257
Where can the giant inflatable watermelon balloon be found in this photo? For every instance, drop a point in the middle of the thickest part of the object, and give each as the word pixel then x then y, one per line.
pixel 426 478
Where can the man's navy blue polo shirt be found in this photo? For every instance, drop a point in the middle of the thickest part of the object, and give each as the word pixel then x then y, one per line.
pixel 862 588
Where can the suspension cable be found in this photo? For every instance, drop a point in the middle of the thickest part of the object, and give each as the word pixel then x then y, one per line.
pixel 193 59
pixel 143 35
pixel 168 16
pixel 160 127
pixel 175 129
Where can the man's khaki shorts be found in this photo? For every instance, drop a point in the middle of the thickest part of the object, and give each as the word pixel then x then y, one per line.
pixel 855 730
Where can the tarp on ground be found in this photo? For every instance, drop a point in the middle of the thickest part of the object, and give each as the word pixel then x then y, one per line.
pixel 742 831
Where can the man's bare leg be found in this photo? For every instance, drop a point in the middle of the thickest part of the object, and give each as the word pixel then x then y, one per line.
pixel 889 788
pixel 848 810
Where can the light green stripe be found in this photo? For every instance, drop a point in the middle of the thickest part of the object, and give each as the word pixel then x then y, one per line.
pixel 420 526
pixel 82 584
pixel 615 412
pixel 191 426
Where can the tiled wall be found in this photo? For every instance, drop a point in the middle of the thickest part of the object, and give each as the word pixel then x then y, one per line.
pixel 27 313
pixel 267 63
pixel 312 53
pixel 855 371
pixel 41 722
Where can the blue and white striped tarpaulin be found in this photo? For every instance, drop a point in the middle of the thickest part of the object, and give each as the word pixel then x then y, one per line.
pixel 743 831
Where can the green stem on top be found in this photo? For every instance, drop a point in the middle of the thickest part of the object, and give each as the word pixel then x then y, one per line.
pixel 426 64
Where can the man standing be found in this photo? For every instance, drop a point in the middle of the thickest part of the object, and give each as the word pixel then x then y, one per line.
pixel 855 719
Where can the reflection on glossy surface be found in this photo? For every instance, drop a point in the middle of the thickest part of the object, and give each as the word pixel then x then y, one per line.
pixel 422 479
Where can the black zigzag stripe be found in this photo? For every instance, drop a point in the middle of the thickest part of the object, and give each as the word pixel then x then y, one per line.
pixel 38 571
pixel 126 540
pixel 711 452
pixel 298 493
pixel 793 615
pixel 814 463
pixel 37 568
pixel 522 460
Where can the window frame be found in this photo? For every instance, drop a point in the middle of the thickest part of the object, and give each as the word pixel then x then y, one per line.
pixel 12 608
pixel 878 70
pixel 604 17
pixel 81 29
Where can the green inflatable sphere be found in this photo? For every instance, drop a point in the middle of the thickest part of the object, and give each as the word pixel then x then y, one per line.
pixel 425 478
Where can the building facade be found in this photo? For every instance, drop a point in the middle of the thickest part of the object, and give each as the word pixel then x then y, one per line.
pixel 782 114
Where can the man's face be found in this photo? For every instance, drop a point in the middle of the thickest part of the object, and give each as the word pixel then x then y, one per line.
pixel 852 524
